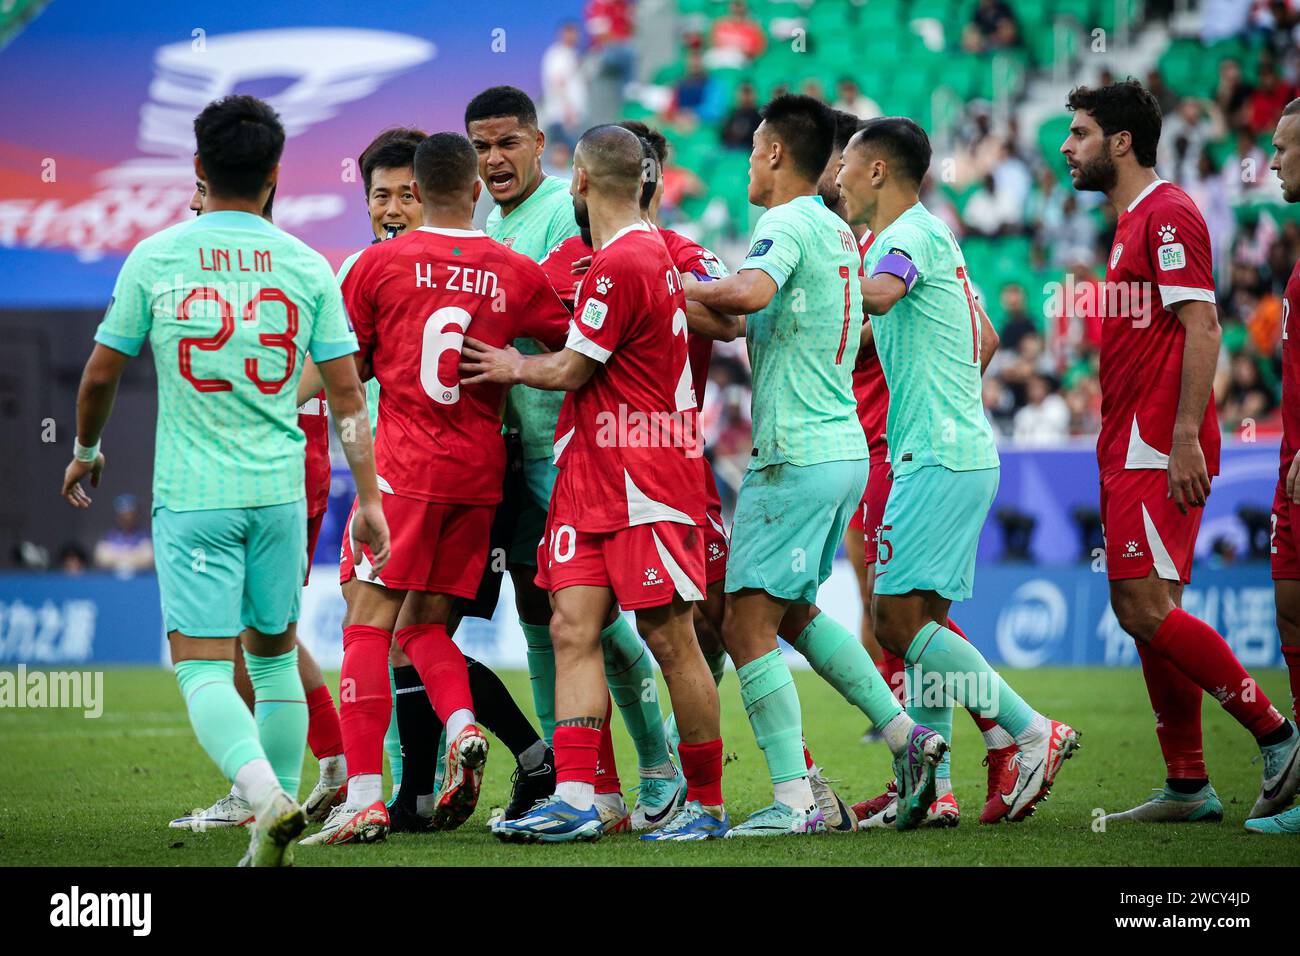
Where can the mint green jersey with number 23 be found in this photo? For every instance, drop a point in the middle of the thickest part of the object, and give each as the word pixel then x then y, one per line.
pixel 230 304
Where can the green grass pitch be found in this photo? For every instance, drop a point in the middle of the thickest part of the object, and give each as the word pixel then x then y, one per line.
pixel 99 792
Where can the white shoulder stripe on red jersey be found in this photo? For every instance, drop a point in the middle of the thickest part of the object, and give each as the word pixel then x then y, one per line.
pixel 1173 294
pixel 585 346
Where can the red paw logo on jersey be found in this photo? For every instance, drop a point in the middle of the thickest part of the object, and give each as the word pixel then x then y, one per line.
pixel 604 284
pixel 651 578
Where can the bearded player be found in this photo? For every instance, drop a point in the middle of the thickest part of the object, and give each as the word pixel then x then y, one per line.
pixel 625 515
pixel 533 215
pixel 1158 450
pixel 1286 527
pixel 442 461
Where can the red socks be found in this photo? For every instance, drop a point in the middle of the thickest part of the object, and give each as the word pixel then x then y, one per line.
pixel 324 736
pixel 440 665
pixel 1291 654
pixel 1176 700
pixel 891 668
pixel 606 766
pixel 366 703
pixel 1201 654
pixel 576 750
pixel 702 765
pixel 807 757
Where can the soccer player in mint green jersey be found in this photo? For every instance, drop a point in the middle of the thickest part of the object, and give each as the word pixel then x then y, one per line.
pixel 798 287
pixel 533 215
pixel 945 463
pixel 231 305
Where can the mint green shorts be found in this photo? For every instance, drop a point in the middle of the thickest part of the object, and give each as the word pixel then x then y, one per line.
pixel 222 570
pixel 790 520
pixel 530 524
pixel 931 531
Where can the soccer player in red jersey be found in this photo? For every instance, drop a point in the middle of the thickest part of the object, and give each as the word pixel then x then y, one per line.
pixel 323 735
pixel 1286 499
pixel 438 448
pixel 1159 448
pixel 625 517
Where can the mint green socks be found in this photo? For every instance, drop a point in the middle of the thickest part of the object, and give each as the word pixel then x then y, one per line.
pixel 393 739
pixel 280 711
pixel 937 716
pixel 772 705
pixel 224 727
pixel 839 658
pixel 631 679
pixel 717 662
pixel 541 675
pixel 946 663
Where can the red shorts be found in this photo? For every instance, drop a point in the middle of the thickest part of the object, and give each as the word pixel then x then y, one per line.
pixel 1284 538
pixel 646 565
pixel 716 546
pixel 436 547
pixel 313 535
pixel 1144 528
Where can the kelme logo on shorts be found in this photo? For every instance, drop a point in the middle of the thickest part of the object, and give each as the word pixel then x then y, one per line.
pixel 760 249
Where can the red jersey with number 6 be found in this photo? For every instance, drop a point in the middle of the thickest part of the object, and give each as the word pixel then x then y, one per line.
pixel 627 440
pixel 1160 257
pixel 412 300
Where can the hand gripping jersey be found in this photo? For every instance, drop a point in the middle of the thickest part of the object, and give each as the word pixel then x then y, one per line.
pixel 412 301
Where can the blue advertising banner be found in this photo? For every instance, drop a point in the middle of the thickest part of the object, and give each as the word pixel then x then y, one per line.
pixel 1022 616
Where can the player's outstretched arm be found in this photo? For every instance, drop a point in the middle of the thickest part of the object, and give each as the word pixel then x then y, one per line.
pixel 744 293
pixel 347 401
pixel 1189 479
pixel 562 371
pixel 713 324
pixel 94 404
pixel 311 382
pixel 881 292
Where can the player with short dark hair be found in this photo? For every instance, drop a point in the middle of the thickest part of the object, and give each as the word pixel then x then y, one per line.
pixel 1286 518
pixel 438 449
pixel 324 737
pixel 943 458
pixel 228 478
pixel 534 214
pixel 807 473
pixel 623 527
pixel 1159 448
